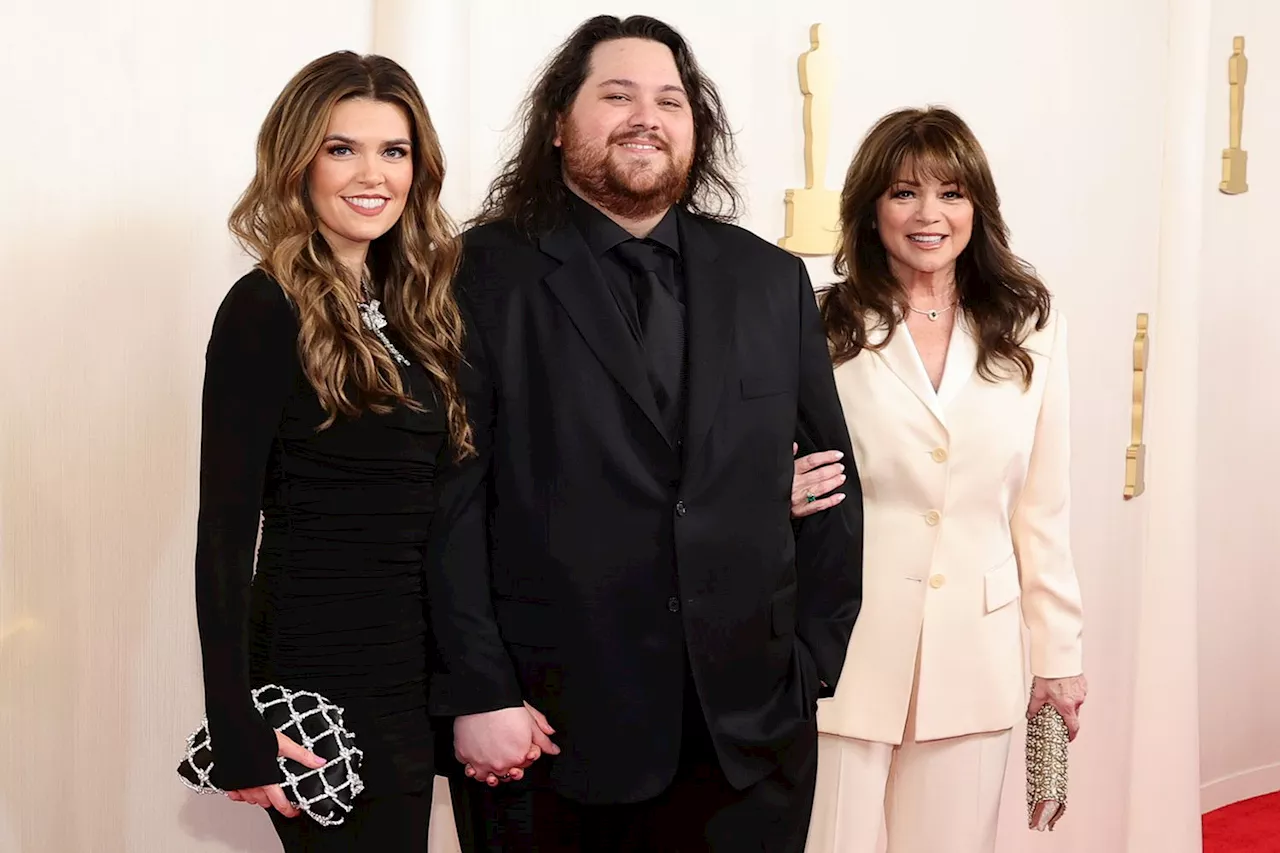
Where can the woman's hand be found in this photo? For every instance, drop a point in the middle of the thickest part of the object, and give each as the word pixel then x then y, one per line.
pixel 816 475
pixel 269 796
pixel 1066 695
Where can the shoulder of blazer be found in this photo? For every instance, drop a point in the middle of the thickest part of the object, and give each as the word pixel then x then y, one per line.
pixel 743 246
pixel 1043 342
pixel 496 257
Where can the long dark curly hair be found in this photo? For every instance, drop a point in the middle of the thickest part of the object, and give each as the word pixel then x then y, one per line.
pixel 530 190
pixel 1000 293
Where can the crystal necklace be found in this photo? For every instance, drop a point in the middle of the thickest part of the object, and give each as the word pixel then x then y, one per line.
pixel 374 321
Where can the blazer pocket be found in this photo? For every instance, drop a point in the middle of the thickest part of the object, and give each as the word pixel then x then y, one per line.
pixel 1002 585
pixel 782 611
pixel 526 623
pixel 764 385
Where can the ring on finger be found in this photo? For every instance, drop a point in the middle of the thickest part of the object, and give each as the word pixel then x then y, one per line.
pixel 809 497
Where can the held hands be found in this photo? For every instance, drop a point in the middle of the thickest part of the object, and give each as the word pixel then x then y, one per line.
pixel 1066 695
pixel 498 745
pixel 816 475
pixel 268 796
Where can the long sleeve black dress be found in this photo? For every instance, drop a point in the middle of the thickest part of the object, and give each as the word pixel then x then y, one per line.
pixel 337 601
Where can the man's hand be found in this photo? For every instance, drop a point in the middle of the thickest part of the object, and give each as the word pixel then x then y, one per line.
pixel 496 746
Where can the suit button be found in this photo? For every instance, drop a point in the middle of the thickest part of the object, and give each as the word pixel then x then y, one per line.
pixel 680 510
pixel 939 454
pixel 937 581
pixel 673 604
pixel 932 517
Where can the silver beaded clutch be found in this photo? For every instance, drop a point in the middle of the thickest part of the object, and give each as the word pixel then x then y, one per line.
pixel 1046 768
pixel 325 794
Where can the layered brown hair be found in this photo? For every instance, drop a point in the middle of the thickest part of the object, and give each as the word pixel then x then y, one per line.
pixel 1000 294
pixel 412 265
pixel 530 191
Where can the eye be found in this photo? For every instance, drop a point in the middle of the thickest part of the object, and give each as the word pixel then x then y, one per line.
pixel 615 97
pixel 339 150
pixel 902 194
pixel 952 195
pixel 398 152
pixel 675 105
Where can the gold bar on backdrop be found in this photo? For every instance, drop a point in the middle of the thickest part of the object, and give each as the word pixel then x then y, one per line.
pixel 1235 160
pixel 1135 456
pixel 813 213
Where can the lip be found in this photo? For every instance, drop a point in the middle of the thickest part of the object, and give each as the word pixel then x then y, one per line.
pixel 366 211
pixel 927 246
pixel 653 147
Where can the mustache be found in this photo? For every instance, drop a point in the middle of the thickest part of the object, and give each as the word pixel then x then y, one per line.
pixel 647 137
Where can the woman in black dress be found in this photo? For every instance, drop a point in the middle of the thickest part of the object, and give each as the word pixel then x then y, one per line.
pixel 331 405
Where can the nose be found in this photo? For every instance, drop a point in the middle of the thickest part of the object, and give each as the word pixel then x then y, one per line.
pixel 371 169
pixel 644 114
pixel 929 208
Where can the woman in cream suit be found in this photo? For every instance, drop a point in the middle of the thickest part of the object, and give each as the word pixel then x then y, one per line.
pixel 952 368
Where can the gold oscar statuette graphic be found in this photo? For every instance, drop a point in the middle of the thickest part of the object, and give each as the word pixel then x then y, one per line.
pixel 813 213
pixel 1135 457
pixel 1235 159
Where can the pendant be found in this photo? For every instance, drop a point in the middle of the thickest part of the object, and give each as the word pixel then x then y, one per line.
pixel 932 315
pixel 371 315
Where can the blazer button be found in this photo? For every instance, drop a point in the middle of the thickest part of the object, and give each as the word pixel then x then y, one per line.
pixel 937 581
pixel 680 509
pixel 932 517
pixel 939 454
pixel 673 604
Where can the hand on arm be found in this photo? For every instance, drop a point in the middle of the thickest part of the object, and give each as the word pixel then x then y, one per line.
pixel 829 543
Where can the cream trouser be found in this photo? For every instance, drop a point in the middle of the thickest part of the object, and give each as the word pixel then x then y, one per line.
pixel 938 796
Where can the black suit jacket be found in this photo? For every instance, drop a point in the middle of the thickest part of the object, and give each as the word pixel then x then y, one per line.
pixel 614 552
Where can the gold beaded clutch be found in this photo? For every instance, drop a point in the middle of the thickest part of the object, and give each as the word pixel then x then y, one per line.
pixel 1046 768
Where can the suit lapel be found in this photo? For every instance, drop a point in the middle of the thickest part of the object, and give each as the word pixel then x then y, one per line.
pixel 900 355
pixel 712 299
pixel 580 287
pixel 962 359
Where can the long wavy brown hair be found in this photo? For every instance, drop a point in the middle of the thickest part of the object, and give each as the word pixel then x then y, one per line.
pixel 411 266
pixel 1000 293
pixel 530 190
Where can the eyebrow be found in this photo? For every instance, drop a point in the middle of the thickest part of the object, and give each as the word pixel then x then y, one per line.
pixel 347 140
pixel 631 84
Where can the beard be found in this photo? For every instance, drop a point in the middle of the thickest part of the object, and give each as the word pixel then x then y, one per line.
pixel 633 190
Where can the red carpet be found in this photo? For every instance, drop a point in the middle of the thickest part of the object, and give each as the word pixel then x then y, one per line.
pixel 1249 826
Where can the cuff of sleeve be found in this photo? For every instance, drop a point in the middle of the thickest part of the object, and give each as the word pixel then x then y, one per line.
pixel 244 755
pixel 460 696
pixel 1057 660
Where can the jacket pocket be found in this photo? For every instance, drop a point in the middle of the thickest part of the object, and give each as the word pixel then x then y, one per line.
pixel 764 385
pixel 1002 585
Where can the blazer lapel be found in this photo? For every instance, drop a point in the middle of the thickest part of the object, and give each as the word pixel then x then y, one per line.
pixel 712 300
pixel 962 359
pixel 900 355
pixel 579 285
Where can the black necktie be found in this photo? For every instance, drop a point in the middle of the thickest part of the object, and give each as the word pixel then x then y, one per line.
pixel 661 329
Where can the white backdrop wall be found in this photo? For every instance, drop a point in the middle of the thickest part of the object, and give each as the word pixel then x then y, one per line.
pixel 133 131
pixel 1239 458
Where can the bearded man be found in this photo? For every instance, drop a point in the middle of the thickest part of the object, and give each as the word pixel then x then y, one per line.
pixel 639 592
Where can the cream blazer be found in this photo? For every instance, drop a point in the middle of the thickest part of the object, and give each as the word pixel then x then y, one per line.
pixel 966 500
